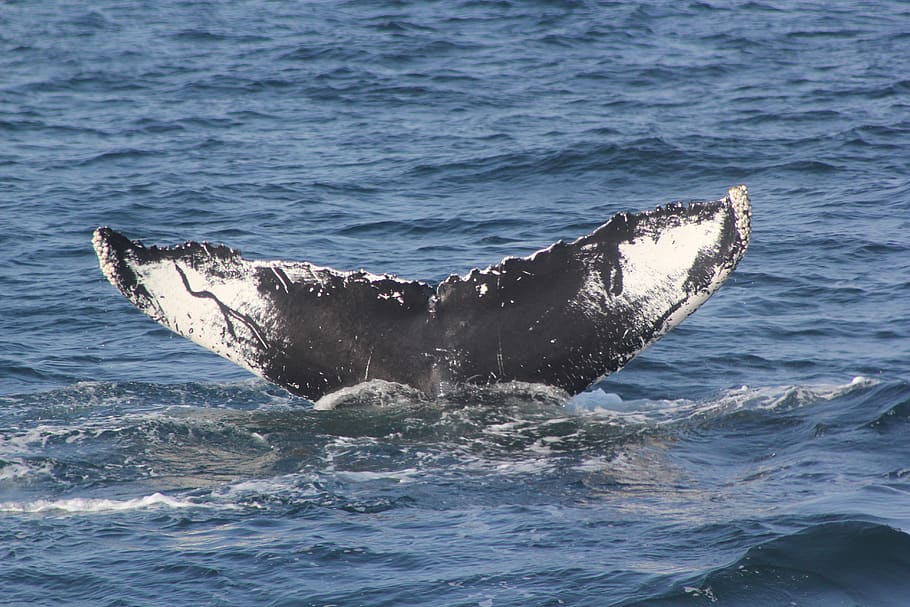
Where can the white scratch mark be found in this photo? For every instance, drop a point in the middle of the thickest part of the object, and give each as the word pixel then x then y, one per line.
pixel 281 280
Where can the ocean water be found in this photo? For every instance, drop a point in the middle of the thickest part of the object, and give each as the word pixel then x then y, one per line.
pixel 757 455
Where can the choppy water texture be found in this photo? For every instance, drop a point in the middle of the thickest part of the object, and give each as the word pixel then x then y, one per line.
pixel 758 455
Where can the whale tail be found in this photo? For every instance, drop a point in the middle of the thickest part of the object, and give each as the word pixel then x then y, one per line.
pixel 565 316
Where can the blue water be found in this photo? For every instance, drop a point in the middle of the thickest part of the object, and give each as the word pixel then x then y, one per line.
pixel 757 455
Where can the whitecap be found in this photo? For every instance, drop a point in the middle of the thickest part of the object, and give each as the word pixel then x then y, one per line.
pixel 84 505
pixel 598 403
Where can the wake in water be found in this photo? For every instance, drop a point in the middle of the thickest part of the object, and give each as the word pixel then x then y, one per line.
pixel 653 479
pixel 102 438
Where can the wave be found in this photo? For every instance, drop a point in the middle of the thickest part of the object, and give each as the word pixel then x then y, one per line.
pixel 201 437
pixel 838 563
pixel 894 412
pixel 730 402
pixel 589 155
pixel 82 505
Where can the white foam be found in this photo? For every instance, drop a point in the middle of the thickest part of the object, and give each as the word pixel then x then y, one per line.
pixel 18 470
pixel 80 505
pixel 374 392
pixel 773 397
pixel 598 403
pixel 595 399
pixel 239 494
pixel 405 475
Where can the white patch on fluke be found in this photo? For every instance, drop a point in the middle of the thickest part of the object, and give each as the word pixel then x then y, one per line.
pixel 655 270
pixel 191 312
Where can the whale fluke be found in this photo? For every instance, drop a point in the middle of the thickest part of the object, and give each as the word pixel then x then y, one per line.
pixel 564 316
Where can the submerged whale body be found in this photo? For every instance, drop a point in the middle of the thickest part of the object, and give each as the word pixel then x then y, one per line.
pixel 564 316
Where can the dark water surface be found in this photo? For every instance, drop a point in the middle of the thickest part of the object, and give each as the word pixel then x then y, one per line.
pixel 758 455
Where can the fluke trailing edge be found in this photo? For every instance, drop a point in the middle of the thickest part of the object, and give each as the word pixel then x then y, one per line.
pixel 564 316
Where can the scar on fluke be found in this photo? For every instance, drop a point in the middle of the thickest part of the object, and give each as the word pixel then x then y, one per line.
pixel 565 316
